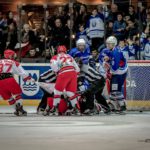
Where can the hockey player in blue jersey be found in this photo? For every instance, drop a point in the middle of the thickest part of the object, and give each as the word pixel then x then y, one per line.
pixel 117 64
pixel 82 51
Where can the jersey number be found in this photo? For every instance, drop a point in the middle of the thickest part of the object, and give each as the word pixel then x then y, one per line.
pixel 8 68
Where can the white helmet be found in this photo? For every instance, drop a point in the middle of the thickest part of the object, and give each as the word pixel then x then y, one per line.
pixel 112 40
pixel 81 42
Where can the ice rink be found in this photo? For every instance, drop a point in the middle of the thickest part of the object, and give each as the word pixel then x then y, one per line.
pixel 113 132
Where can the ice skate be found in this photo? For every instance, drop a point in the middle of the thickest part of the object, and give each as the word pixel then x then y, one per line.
pixel 20 111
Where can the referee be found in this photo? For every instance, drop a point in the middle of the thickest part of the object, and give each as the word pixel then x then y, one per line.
pixel 97 83
pixel 47 77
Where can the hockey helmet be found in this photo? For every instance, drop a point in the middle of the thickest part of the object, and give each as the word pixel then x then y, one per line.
pixel 61 48
pixel 111 40
pixel 9 54
pixel 81 42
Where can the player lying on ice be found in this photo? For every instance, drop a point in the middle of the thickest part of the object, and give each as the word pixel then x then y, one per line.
pixel 9 88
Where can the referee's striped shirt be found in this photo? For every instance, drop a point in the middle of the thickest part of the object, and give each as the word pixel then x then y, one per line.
pixel 48 76
pixel 90 74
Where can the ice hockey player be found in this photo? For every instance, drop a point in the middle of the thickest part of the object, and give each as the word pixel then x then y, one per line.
pixel 66 69
pixel 9 88
pixel 82 51
pixel 117 64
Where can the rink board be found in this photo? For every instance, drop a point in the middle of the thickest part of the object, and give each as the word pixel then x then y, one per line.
pixel 137 84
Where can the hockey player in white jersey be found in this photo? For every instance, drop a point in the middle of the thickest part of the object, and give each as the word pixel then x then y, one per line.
pixel 66 69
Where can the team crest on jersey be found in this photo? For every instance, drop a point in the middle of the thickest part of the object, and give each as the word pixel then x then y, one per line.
pixel 29 88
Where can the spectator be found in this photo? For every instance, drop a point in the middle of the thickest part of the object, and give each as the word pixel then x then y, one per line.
pixel 113 13
pixel 131 30
pixel 132 49
pixel 124 48
pixel 12 37
pixel 46 54
pixel 57 34
pixel 95 29
pixel 69 33
pixel 41 37
pixel 3 33
pixel 28 39
pixel 109 29
pixel 32 53
pixel 132 13
pixel 82 16
pixel 10 18
pixel 82 34
pixel 24 18
pixel 94 59
pixel 147 49
pixel 119 27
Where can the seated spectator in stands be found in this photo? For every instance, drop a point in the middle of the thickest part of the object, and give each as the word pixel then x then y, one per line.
pixel 147 49
pixel 133 49
pixel 132 13
pixel 113 12
pixel 57 34
pixel 82 34
pixel 12 36
pixel 94 59
pixel 28 39
pixel 131 29
pixel 109 28
pixel 95 29
pixel 123 48
pixel 10 18
pixel 139 47
pixel 119 27
pixel 32 53
pixel 47 55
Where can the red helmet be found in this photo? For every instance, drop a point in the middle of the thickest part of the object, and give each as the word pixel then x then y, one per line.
pixel 9 54
pixel 61 48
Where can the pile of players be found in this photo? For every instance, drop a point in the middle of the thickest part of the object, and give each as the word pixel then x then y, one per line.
pixel 75 83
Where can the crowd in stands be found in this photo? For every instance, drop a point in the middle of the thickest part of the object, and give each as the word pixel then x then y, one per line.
pixel 66 25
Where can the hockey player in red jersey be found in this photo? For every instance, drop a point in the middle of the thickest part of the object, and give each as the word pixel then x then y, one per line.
pixel 66 69
pixel 9 88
